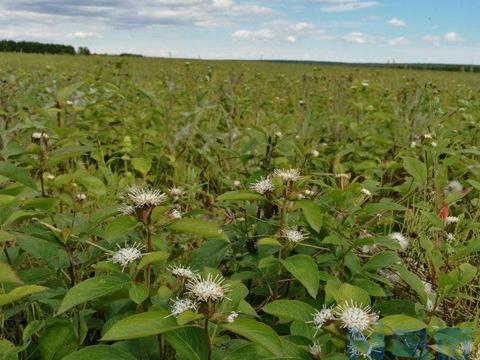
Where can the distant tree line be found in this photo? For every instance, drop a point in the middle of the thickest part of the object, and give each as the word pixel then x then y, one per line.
pixel 40 48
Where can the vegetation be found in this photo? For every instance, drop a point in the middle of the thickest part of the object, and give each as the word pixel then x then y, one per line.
pixel 162 209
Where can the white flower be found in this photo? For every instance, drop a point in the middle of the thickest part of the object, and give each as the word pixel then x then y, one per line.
pixel 207 289
pixel 433 143
pixel 175 192
pixel 366 249
pixel 50 177
pixel 366 192
pixel 356 318
pixel 450 237
pixel 126 255
pixel 365 83
pixel 314 153
pixel 263 186
pixel 81 197
pixel 181 271
pixel 400 239
pixel 316 350
pixel 126 209
pixel 427 136
pixel 278 134
pixel 145 197
pixel 232 316
pixel 36 135
pixel 287 174
pixel 413 144
pixel 453 187
pixel 308 192
pixel 294 235
pixel 237 183
pixel 323 316
pixel 179 306
pixel 451 220
pixel 175 214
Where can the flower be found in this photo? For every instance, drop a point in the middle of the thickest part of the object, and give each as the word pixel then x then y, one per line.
pixel 179 306
pixel 126 255
pixel 207 289
pixel 433 143
pixel 81 197
pixel 451 220
pixel 316 350
pixel 356 318
pixel 181 271
pixel 126 209
pixel 232 316
pixel 175 214
pixel 287 174
pixel 453 187
pixel 323 316
pixel 278 134
pixel 427 136
pixel 175 193
pixel 314 153
pixel 450 237
pixel 145 197
pixel 413 144
pixel 293 235
pixel 237 183
pixel 400 239
pixel 37 135
pixel 366 192
pixel 263 186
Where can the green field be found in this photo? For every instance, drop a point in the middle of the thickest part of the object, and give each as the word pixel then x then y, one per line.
pixel 186 209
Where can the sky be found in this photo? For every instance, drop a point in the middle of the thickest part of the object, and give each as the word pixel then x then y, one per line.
pixel 440 31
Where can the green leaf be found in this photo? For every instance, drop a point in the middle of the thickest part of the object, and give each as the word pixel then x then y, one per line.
pixel 240 195
pixel 92 289
pixel 138 293
pixel 417 169
pixel 152 258
pixel 17 174
pixel 140 325
pixel 400 324
pixel 19 293
pixel 64 93
pixel 100 352
pixel 119 227
pixel 189 343
pixel 210 254
pixel 312 212
pixel 7 275
pixel 413 281
pixel 290 309
pixel 92 184
pixel 381 260
pixel 305 270
pixel 198 227
pixel 347 293
pixel 142 165
pixel 258 333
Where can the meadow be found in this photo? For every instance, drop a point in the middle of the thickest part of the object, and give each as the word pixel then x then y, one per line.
pixel 228 210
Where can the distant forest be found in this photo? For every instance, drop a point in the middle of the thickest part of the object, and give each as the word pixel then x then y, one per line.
pixel 40 48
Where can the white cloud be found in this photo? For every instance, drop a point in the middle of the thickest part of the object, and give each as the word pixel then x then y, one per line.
pixel 81 34
pixel 331 6
pixel 359 38
pixel 253 35
pixel 400 40
pixel 432 39
pixel 302 26
pixel 396 22
pixel 452 37
pixel 291 39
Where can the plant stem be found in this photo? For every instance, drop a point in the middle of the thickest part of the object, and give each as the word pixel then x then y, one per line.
pixel 148 277
pixel 209 341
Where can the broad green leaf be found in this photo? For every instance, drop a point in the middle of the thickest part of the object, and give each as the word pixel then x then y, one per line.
pixel 7 275
pixel 381 260
pixel 190 343
pixel 312 212
pixel 119 228
pixel 99 352
pixel 17 174
pixel 69 151
pixel 399 324
pixel 417 169
pixel 305 270
pixel 138 293
pixel 6 200
pixel 258 333
pixel 153 258
pixel 57 340
pixel 290 309
pixel 348 293
pixel 67 91
pixel 240 195
pixel 19 293
pixel 198 227
pixel 7 350
pixel 54 256
pixel 92 184
pixel 92 289
pixel 413 281
pixel 142 165
pixel 140 325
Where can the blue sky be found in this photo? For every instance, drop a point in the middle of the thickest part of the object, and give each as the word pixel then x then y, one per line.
pixel 445 31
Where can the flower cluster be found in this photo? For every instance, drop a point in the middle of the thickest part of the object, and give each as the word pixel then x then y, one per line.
pixel 145 197
pixel 207 289
pixel 323 316
pixel 181 271
pixel 126 255
pixel 293 235
pixel 287 175
pixel 356 318
pixel 179 306
pixel 263 186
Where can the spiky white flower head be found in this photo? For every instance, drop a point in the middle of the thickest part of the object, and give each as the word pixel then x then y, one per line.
pixel 207 289
pixel 125 209
pixel 263 186
pixel 400 239
pixel 315 349
pixel 287 175
pixel 237 183
pixel 366 192
pixel 176 193
pixel 181 271
pixel 451 220
pixel 453 187
pixel 293 235
pixel 450 237
pixel 356 318
pixel 232 317
pixel 179 306
pixel 315 153
pixel 323 316
pixel 145 197
pixel 175 214
pixel 126 255
pixel 81 197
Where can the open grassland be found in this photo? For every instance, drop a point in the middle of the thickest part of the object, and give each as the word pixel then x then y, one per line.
pixel 172 209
